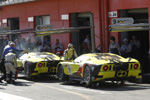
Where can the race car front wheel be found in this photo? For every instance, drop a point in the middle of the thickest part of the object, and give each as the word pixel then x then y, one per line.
pixel 87 76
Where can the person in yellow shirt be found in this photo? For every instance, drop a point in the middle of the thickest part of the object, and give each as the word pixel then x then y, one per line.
pixel 70 53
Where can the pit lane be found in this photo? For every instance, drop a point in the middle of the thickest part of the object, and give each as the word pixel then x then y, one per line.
pixel 49 88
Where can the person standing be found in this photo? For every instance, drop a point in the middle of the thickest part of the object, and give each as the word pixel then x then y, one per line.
pixel 10 46
pixel 86 44
pixel 70 53
pixel 136 47
pixel 57 47
pixel 126 48
pixel 114 46
pixel 10 66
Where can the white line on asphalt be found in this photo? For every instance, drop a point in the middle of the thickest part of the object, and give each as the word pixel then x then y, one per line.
pixel 67 91
pixel 6 96
pixel 86 89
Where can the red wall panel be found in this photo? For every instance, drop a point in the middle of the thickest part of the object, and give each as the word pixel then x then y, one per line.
pixel 54 8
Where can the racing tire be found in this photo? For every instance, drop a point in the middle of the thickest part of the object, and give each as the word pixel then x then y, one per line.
pixel 87 77
pixel 60 73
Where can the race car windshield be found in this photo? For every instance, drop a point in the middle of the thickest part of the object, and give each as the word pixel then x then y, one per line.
pixel 42 55
pixel 38 55
pixel 106 57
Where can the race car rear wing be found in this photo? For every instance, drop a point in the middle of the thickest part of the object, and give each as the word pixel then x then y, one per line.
pixel 129 27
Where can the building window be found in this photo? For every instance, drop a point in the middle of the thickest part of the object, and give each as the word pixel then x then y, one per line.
pixel 42 20
pixel 13 23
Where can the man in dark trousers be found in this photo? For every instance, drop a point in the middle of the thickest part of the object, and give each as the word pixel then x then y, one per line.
pixel 10 46
pixel 2 70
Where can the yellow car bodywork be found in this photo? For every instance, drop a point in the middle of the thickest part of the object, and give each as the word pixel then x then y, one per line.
pixel 118 68
pixel 39 62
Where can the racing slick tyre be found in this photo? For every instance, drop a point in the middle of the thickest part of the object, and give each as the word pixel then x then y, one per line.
pixel 87 77
pixel 60 73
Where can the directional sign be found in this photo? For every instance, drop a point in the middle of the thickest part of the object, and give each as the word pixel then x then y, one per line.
pixel 122 21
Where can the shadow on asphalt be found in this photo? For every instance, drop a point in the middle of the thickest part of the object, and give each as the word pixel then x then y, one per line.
pixel 113 87
pixel 107 86
pixel 42 79
pixel 20 83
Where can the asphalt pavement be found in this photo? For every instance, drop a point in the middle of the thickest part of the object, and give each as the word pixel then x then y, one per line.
pixel 49 88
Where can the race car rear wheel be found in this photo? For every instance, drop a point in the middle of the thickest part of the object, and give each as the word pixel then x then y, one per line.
pixel 87 76
pixel 60 73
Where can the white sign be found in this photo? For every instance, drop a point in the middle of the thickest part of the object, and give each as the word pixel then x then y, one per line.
pixel 30 19
pixel 122 21
pixel 65 17
pixel 113 14
pixel 4 21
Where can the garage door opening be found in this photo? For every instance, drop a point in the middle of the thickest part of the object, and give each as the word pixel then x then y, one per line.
pixel 13 23
pixel 85 35
pixel 139 16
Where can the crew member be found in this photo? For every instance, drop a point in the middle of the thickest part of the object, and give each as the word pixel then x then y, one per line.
pixel 70 52
pixel 10 46
pixel 10 66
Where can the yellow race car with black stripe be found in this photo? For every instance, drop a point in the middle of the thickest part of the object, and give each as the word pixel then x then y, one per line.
pixel 96 67
pixel 35 63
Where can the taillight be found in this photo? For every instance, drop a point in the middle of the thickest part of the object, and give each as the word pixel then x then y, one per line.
pixel 105 68
pixel 136 66
pixel 40 65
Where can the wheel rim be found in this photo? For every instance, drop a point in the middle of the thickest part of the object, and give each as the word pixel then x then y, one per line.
pixel 87 76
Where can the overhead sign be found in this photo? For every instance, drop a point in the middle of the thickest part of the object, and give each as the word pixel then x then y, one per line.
pixel 44 27
pixel 65 17
pixel 4 21
pixel 113 14
pixel 122 21
pixel 30 19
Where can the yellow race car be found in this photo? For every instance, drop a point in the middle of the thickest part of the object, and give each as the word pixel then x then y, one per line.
pixel 35 63
pixel 96 67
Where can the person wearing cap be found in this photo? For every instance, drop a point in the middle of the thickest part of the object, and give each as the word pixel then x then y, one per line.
pixel 126 48
pixel 70 53
pixel 10 66
pixel 2 62
pixel 10 46
pixel 114 46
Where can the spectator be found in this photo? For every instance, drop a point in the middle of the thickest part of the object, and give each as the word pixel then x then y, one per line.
pixel 126 48
pixel 114 46
pixel 57 47
pixel 45 48
pixel 86 44
pixel 136 45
